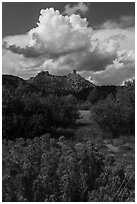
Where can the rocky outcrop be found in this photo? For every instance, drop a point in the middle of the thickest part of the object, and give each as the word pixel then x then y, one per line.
pixel 72 83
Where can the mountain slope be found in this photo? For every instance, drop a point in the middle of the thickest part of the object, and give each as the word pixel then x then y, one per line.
pixel 71 83
pixel 12 83
pixel 46 84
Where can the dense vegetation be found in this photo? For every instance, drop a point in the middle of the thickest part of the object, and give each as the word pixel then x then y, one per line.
pixel 101 92
pixel 45 169
pixel 31 115
pixel 117 114
pixel 43 162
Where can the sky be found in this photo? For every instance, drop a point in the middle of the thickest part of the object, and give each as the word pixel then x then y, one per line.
pixel 97 39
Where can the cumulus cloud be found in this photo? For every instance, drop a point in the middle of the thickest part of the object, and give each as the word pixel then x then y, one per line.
pixel 49 41
pixel 77 8
pixel 57 34
pixel 71 34
pixel 95 58
pixel 68 43
pixel 60 43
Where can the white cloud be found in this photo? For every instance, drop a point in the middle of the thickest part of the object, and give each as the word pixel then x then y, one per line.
pixel 125 25
pixel 96 58
pixel 48 41
pixel 18 65
pixel 19 40
pixel 79 7
pixel 57 34
pixel 69 43
pixel 128 43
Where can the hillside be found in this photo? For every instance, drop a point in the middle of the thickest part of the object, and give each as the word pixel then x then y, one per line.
pixel 46 83
pixel 12 83
pixel 71 83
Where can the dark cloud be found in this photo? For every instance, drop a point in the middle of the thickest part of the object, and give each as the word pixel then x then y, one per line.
pixel 28 52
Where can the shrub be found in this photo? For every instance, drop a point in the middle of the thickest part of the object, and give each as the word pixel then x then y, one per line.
pixel 44 169
pixel 117 114
pixel 32 115
pixel 84 106
pixel 93 96
pixel 62 111
pixel 114 185
pixel 101 92
pixel 71 99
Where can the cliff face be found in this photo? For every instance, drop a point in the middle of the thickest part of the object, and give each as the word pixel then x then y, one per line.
pixel 72 82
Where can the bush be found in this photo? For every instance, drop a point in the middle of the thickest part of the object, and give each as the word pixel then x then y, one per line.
pixel 101 92
pixel 114 185
pixel 44 169
pixel 93 96
pixel 71 99
pixel 62 111
pixel 31 115
pixel 84 106
pixel 117 114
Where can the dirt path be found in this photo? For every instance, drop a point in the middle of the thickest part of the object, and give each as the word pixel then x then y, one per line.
pixel 85 117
